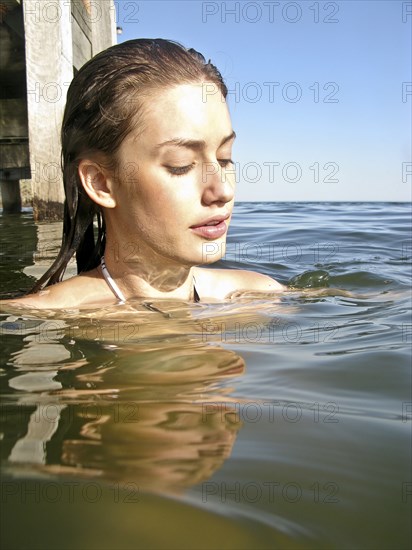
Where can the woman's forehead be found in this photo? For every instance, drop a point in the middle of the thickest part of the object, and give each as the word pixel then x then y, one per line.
pixel 187 112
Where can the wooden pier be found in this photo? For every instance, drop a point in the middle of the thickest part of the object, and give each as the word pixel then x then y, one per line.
pixel 42 45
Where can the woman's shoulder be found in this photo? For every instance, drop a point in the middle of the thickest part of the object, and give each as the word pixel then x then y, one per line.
pixel 77 291
pixel 89 289
pixel 221 283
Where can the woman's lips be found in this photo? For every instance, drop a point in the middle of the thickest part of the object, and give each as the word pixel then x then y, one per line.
pixel 211 231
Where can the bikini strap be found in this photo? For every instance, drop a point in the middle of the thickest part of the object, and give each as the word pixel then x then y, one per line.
pixel 119 294
pixel 111 283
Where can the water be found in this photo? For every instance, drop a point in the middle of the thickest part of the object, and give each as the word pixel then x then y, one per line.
pixel 259 423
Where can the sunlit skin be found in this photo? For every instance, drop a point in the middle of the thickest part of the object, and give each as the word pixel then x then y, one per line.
pixel 155 201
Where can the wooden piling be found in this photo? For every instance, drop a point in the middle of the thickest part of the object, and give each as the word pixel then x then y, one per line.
pixel 58 37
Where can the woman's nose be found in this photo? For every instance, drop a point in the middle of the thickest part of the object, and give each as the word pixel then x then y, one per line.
pixel 218 183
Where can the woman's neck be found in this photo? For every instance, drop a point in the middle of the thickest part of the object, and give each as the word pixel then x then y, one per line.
pixel 149 279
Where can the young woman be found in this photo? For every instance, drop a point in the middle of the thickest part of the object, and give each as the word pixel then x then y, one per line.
pixel 146 152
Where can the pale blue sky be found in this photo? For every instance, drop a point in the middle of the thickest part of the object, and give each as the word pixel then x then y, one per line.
pixel 334 124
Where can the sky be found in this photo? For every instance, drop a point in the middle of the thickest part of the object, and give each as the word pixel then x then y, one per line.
pixel 320 93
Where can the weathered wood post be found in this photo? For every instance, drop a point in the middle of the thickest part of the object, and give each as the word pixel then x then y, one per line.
pixel 49 71
pixel 14 147
pixel 59 37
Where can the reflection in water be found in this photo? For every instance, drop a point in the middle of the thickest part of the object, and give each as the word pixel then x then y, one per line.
pixel 161 447
pixel 71 382
pixel 31 447
pixel 138 414
pixel 16 253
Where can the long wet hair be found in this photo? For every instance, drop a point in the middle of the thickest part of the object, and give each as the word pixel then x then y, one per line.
pixel 104 104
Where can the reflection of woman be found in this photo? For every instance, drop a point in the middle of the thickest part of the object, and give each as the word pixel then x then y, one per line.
pixel 146 148
pixel 156 417
pixel 162 447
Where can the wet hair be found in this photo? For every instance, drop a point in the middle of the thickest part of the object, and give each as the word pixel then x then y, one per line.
pixel 104 104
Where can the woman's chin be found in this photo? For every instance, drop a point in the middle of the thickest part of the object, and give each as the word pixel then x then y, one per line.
pixel 213 251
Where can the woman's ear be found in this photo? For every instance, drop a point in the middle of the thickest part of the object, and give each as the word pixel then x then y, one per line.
pixel 97 183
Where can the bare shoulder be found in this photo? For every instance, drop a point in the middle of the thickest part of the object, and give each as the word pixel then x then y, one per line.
pixel 220 283
pixel 74 292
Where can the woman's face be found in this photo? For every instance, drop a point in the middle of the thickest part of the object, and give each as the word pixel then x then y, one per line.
pixel 176 178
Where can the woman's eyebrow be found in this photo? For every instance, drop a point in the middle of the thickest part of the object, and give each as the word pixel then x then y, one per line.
pixel 193 143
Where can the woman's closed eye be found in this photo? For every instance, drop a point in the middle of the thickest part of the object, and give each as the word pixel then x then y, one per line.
pixel 182 170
